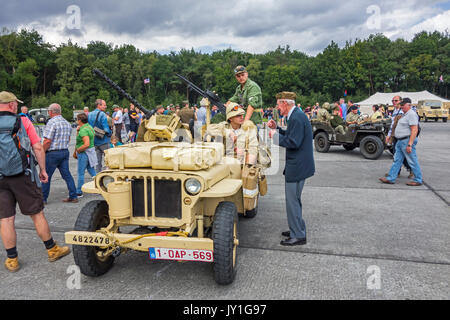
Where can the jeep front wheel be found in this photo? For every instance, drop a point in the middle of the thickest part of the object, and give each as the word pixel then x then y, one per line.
pixel 371 147
pixel 225 238
pixel 321 142
pixel 92 217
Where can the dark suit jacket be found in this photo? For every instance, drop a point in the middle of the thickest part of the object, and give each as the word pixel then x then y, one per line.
pixel 297 139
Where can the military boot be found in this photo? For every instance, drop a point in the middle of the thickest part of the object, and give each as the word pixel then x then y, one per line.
pixel 12 264
pixel 57 252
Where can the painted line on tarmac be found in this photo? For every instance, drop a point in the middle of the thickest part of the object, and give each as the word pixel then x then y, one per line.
pixel 307 251
pixel 360 256
pixel 435 192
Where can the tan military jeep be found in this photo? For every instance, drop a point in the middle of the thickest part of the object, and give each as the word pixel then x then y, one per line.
pixel 431 109
pixel 182 199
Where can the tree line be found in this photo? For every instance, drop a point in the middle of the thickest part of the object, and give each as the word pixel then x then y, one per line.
pixel 41 73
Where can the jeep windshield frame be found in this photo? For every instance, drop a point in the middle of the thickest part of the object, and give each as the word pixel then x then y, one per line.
pixel 433 104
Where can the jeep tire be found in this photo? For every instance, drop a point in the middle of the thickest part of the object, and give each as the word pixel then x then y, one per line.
pixel 225 236
pixel 371 147
pixel 321 143
pixel 40 118
pixel 92 217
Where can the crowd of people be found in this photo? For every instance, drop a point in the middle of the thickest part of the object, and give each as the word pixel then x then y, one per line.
pixel 97 131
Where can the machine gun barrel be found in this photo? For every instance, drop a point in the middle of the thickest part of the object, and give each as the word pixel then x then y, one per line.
pixel 212 97
pixel 124 94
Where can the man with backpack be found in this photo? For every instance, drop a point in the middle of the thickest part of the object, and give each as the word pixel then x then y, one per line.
pixel 20 181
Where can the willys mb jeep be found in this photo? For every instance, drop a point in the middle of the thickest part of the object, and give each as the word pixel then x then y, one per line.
pixel 369 136
pixel 180 197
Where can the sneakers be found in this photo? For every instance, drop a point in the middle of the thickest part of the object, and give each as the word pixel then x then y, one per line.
pixel 57 252
pixel 12 264
pixel 80 195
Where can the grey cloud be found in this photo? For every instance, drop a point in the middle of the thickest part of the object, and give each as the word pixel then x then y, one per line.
pixel 326 20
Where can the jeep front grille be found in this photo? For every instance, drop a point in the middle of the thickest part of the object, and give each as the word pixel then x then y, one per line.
pixel 163 198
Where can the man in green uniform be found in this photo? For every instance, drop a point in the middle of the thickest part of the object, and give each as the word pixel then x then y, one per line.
pixel 323 114
pixel 337 122
pixel 186 114
pixel 353 117
pixel 248 94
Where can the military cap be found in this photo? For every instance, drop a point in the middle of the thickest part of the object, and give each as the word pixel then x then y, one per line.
pixel 286 95
pixel 353 108
pixel 204 102
pixel 405 101
pixel 326 105
pixel 7 97
pixel 239 69
pixel 336 108
pixel 185 102
pixel 233 110
pixel 115 106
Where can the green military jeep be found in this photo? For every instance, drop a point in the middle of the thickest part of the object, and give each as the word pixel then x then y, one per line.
pixel 368 136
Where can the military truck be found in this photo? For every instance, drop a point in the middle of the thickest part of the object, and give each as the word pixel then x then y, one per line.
pixel 368 136
pixel 167 195
pixel 431 109
pixel 446 106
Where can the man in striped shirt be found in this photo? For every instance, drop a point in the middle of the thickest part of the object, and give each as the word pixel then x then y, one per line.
pixel 56 145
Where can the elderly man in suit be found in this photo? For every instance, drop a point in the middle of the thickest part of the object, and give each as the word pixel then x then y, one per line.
pixel 297 139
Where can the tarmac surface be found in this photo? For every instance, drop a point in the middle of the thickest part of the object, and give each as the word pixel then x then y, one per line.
pixel 366 240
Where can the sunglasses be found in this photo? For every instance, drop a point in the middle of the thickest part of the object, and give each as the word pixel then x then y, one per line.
pixel 395 100
pixel 241 69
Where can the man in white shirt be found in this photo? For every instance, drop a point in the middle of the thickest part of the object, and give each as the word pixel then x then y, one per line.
pixel 118 122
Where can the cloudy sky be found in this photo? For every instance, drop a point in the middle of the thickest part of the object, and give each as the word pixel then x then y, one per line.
pixel 254 26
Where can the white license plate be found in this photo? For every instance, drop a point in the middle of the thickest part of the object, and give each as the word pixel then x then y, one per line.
pixel 181 254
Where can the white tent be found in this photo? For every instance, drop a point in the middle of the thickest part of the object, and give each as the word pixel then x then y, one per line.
pixel 386 98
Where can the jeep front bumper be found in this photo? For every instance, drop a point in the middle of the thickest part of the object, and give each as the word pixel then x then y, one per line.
pixel 136 242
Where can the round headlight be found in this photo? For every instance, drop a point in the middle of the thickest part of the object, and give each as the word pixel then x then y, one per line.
pixel 106 180
pixel 192 186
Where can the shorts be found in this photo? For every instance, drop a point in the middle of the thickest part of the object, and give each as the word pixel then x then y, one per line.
pixel 20 189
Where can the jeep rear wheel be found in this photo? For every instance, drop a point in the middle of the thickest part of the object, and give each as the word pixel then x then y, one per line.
pixel 321 142
pixel 92 217
pixel 371 147
pixel 444 119
pixel 225 238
